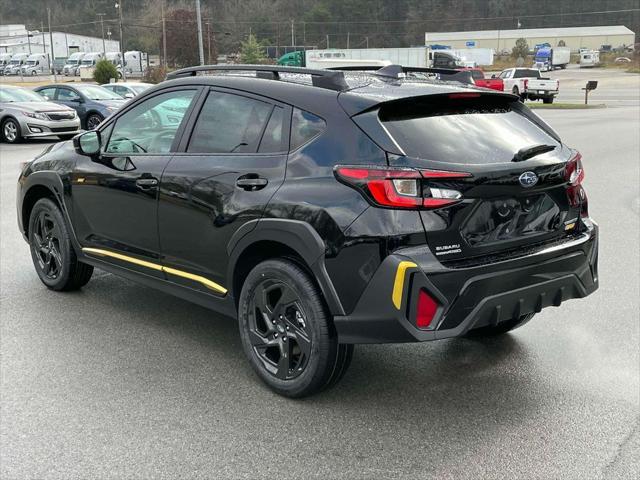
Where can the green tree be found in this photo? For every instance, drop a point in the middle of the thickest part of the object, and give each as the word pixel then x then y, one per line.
pixel 104 71
pixel 521 49
pixel 251 51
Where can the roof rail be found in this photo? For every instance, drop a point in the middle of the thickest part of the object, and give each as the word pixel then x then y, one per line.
pixel 395 71
pixel 328 79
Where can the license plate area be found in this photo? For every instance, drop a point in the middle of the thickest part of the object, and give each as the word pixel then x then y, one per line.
pixel 506 219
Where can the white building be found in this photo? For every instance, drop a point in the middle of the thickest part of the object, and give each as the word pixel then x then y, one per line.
pixel 573 37
pixel 16 39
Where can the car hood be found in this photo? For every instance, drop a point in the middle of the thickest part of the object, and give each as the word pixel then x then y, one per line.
pixel 37 106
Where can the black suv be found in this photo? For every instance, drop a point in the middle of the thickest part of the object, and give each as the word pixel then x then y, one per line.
pixel 322 208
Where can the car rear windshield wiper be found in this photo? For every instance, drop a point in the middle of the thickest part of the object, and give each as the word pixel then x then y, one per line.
pixel 528 152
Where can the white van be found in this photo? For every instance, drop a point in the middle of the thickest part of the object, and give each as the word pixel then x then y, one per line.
pixel 589 58
pixel 135 62
pixel 36 64
pixel 72 64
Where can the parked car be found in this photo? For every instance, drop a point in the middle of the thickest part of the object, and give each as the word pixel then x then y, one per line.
pixel 322 209
pixel 26 114
pixel 528 83
pixel 92 102
pixel 481 81
pixel 127 90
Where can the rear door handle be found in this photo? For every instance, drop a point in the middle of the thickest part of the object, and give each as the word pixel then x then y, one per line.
pixel 251 183
pixel 146 182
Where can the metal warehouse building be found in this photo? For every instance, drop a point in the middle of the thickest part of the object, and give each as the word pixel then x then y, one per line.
pixel 573 37
pixel 16 39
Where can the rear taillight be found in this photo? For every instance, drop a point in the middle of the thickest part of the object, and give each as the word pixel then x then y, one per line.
pixel 574 174
pixel 426 311
pixel 526 84
pixel 401 187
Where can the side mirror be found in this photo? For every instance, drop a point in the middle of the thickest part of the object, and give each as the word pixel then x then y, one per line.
pixel 76 100
pixel 88 143
pixel 46 97
pixel 129 95
pixel 493 76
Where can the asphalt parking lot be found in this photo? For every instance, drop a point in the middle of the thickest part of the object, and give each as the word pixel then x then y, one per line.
pixel 121 381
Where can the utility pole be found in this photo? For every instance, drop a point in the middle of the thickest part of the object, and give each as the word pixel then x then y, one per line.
pixel 367 40
pixel 119 7
pixel 327 41
pixel 164 37
pixel 199 20
pixel 53 69
pixel 293 34
pixel 208 43
pixel 104 48
pixel 29 40
pixel 44 43
pixel 348 40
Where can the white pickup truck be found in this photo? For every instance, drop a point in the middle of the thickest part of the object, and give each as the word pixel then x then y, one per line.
pixel 527 83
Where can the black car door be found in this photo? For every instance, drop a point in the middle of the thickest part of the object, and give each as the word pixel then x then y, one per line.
pixel 115 196
pixel 226 170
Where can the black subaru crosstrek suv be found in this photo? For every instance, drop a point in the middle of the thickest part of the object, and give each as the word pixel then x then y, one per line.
pixel 321 208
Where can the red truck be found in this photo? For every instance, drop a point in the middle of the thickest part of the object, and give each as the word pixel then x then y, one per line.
pixel 480 80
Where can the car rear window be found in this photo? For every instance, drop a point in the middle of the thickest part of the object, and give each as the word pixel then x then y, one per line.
pixel 527 73
pixel 464 131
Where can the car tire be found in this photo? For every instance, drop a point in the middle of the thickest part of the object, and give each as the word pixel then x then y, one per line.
pixel 287 333
pixel 94 120
pixel 547 100
pixel 499 329
pixel 53 256
pixel 10 131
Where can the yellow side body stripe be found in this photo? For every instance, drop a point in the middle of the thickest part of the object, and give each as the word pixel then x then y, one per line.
pixel 398 284
pixel 161 268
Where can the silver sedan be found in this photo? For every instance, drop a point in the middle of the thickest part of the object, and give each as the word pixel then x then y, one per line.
pixel 27 114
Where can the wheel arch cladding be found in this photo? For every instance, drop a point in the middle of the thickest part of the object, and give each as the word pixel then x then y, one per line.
pixel 32 195
pixel 259 240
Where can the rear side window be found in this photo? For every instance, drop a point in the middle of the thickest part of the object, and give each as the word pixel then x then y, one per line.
pixel 527 73
pixel 272 139
pixel 304 127
pixel 229 123
pixel 464 131
pixel 477 74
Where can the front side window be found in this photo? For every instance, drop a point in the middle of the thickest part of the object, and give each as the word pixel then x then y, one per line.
pixel 67 95
pixel 229 124
pixel 304 127
pixel 152 125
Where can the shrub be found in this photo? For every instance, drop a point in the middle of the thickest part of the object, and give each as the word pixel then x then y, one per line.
pixel 154 74
pixel 104 72
pixel 521 48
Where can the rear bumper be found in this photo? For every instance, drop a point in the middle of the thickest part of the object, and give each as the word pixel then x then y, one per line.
pixel 469 297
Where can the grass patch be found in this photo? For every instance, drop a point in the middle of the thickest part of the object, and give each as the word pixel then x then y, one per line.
pixel 633 70
pixel 565 106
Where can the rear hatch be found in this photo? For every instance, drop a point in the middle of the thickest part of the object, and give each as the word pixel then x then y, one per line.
pixel 502 168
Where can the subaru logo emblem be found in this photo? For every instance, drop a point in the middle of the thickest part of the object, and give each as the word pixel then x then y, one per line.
pixel 528 179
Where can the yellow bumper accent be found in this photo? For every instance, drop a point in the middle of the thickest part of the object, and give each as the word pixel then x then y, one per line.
pixel 161 268
pixel 398 284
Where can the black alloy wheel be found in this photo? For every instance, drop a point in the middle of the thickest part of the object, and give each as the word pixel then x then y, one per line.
pixel 46 245
pixel 93 121
pixel 286 331
pixel 53 255
pixel 278 329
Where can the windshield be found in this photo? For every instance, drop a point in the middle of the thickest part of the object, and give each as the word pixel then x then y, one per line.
pixel 87 62
pixel 465 131
pixel 97 93
pixel 19 95
pixel 31 62
pixel 15 62
pixel 72 62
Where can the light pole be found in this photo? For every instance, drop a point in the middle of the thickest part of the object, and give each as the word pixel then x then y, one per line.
pixel 164 37
pixel 118 5
pixel 101 15
pixel 199 20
